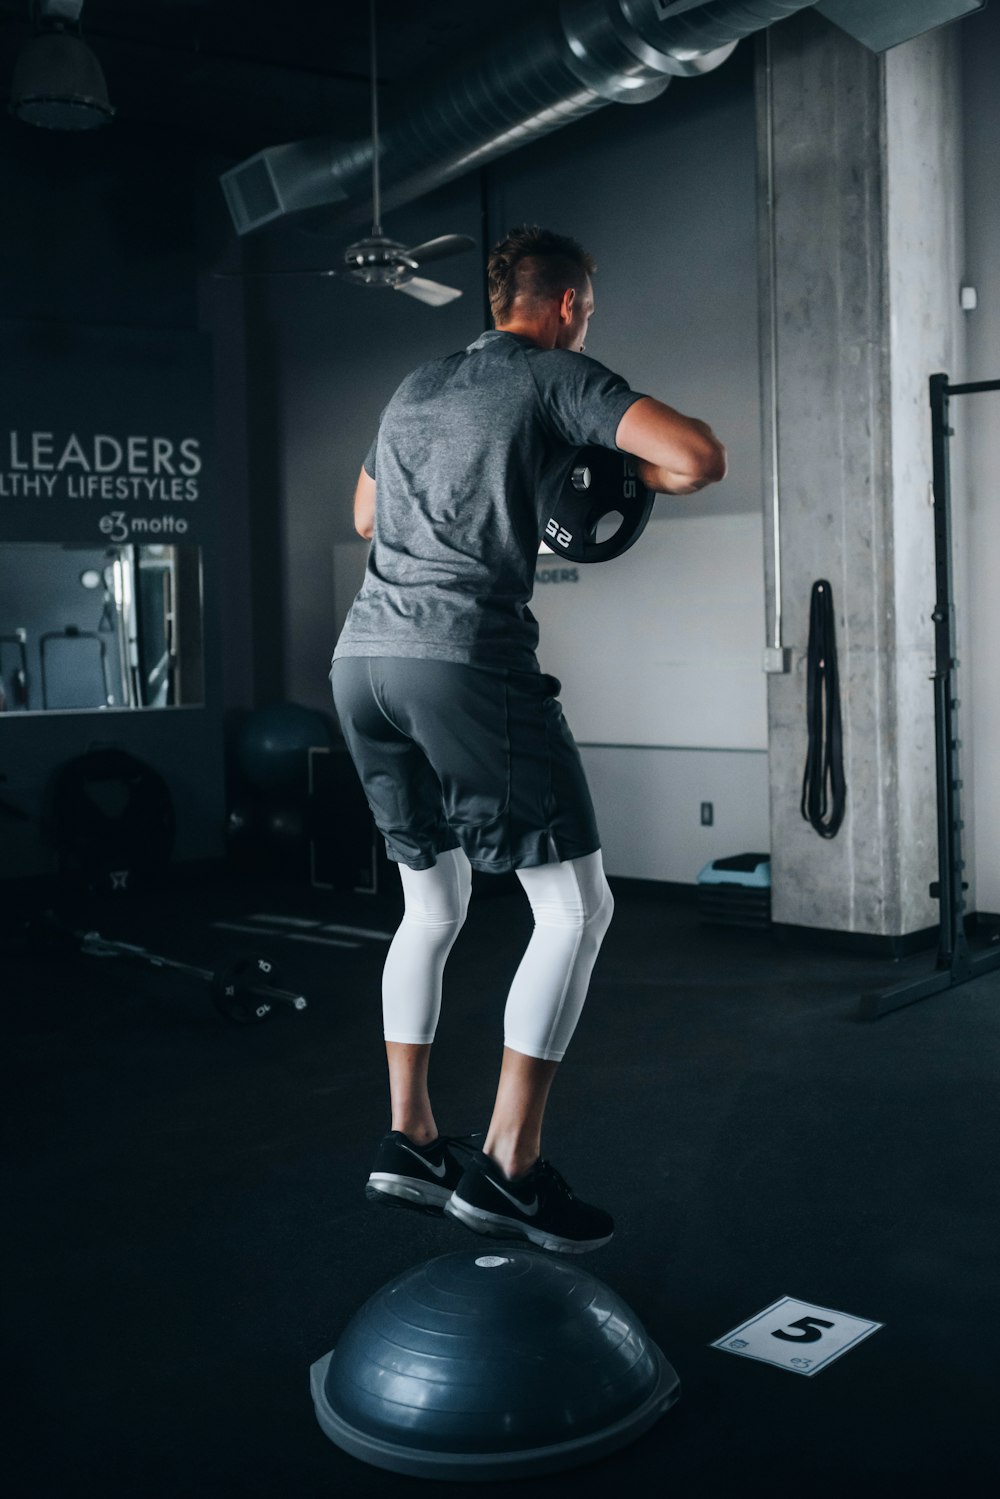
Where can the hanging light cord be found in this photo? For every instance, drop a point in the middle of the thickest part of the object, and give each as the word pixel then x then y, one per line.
pixel 824 792
pixel 376 187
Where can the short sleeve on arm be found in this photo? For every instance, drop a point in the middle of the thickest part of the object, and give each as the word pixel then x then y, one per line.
pixel 583 400
pixel 369 464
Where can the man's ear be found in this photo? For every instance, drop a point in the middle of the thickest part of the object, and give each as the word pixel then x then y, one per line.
pixel 566 305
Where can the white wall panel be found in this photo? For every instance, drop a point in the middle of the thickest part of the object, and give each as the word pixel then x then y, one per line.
pixel 664 645
pixel 648 805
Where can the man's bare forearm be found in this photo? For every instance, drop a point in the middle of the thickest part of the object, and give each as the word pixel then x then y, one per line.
pixel 676 454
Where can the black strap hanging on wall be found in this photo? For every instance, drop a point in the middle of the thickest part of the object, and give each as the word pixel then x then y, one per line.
pixel 824 792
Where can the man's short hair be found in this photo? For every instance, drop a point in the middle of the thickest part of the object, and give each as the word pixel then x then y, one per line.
pixel 536 265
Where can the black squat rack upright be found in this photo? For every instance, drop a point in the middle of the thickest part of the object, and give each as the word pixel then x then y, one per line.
pixel 955 963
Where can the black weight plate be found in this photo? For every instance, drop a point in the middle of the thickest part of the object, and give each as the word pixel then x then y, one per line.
pixel 231 987
pixel 610 483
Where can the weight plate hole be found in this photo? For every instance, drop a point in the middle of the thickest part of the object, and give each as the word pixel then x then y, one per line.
pixel 609 525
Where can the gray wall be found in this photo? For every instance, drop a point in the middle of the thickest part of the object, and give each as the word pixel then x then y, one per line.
pixel 663 196
pixel 324 356
pixel 925 251
pixel 661 648
pixel 977 420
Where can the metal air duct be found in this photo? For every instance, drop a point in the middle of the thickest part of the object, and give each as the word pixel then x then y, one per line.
pixel 574 58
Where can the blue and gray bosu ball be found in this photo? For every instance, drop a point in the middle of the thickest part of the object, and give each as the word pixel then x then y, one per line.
pixel 491 1366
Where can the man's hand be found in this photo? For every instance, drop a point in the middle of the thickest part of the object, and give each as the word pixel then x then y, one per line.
pixel 678 454
pixel 364 506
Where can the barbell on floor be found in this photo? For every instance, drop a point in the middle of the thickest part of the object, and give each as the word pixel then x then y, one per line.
pixel 244 990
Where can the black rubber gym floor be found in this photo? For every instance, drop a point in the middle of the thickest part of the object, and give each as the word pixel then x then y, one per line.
pixel 187 1231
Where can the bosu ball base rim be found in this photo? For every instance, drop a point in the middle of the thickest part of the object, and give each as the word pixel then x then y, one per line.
pixel 524 1464
pixel 422 1462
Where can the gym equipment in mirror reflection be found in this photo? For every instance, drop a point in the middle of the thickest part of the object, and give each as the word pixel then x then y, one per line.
pixel 95 628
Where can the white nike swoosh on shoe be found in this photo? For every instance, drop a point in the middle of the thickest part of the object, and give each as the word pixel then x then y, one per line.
pixel 437 1170
pixel 531 1209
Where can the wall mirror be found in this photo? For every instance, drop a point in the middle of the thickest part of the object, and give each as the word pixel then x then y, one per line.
pixel 86 628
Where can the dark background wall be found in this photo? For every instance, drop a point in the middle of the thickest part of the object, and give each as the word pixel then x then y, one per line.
pixel 108 230
pixel 107 226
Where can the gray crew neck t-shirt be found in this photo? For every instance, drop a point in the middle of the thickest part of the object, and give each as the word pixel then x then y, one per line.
pixel 471 452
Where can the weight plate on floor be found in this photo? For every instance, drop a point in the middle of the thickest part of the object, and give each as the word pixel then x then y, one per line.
pixel 231 986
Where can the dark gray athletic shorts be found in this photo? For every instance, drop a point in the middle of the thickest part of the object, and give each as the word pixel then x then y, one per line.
pixel 452 755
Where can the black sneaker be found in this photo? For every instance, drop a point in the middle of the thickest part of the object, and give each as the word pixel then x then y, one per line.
pixel 538 1206
pixel 420 1176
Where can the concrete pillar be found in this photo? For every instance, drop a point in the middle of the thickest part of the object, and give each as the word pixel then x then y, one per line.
pixel 867 204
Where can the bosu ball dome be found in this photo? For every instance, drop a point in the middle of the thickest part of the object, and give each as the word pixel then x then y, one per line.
pixel 491 1366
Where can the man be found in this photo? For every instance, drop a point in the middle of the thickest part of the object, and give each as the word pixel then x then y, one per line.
pixel 457 735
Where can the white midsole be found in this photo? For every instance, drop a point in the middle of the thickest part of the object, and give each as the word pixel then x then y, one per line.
pixel 405 1187
pixel 493 1223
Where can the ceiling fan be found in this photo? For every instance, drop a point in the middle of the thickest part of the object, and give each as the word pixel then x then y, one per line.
pixel 377 260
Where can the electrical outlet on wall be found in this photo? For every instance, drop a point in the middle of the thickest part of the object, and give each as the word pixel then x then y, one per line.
pixel 707 814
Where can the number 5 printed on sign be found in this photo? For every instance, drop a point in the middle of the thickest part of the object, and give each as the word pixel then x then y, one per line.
pixel 797 1336
pixel 809 1329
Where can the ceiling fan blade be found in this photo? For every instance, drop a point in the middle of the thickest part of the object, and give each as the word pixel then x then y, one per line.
pixel 437 249
pixel 431 292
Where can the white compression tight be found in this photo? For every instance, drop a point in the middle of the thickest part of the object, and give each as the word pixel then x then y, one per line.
pixel 572 906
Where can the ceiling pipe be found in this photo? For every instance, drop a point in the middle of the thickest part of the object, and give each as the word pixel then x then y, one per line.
pixel 575 57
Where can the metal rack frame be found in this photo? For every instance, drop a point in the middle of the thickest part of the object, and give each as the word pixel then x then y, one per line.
pixel 955 963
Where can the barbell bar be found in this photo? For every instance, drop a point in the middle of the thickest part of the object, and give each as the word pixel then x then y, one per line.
pixel 243 990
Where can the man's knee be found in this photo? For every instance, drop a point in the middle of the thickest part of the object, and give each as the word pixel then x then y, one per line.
pixel 438 897
pixel 447 911
pixel 573 894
